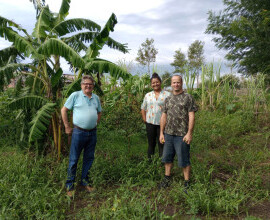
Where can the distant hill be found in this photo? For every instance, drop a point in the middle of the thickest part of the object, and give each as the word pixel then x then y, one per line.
pixel 162 68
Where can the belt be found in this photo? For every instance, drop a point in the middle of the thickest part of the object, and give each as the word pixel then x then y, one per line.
pixel 82 129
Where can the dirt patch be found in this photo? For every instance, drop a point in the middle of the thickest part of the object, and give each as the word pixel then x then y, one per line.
pixel 261 210
pixel 82 200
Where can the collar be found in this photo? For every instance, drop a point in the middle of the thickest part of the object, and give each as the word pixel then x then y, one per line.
pixel 86 95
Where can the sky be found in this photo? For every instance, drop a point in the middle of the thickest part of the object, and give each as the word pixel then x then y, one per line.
pixel 173 24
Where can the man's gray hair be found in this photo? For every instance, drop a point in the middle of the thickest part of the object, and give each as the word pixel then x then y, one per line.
pixel 85 77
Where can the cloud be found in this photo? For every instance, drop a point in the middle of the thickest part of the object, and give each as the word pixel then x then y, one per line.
pixel 173 24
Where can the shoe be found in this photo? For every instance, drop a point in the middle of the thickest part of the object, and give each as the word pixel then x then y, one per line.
pixel 89 188
pixel 165 183
pixel 70 193
pixel 186 186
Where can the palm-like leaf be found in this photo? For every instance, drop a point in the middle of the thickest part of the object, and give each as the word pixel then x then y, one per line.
pixel 116 45
pixel 102 38
pixel 44 20
pixel 98 90
pixel 8 23
pixel 7 73
pixel 6 54
pixel 73 87
pixel 20 43
pixel 73 25
pixel 63 12
pixel 41 121
pixel 12 67
pixel 104 66
pixel 38 4
pixel 27 102
pixel 56 77
pixel 76 41
pixel 58 47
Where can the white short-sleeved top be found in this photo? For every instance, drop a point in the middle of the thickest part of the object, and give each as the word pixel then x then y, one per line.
pixel 153 106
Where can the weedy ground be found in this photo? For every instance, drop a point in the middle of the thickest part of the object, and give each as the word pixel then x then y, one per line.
pixel 230 177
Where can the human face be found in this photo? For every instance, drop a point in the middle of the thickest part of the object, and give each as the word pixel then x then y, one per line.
pixel 87 86
pixel 176 84
pixel 155 84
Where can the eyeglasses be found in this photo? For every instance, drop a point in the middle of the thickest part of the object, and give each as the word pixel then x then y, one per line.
pixel 87 84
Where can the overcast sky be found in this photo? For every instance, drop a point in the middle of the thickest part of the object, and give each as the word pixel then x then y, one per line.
pixel 173 24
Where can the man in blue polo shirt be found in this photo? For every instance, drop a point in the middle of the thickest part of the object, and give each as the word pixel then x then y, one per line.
pixel 86 109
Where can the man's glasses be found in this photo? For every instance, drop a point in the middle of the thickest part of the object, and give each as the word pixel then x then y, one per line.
pixel 87 84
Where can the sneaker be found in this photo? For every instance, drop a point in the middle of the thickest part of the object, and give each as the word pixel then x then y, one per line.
pixel 186 186
pixel 165 183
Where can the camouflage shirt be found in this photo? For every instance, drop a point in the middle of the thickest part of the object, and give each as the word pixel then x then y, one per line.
pixel 177 108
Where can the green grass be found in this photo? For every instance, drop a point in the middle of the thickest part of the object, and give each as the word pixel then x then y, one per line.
pixel 30 187
pixel 230 173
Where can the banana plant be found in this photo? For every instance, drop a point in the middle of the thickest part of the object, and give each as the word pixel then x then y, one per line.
pixel 44 47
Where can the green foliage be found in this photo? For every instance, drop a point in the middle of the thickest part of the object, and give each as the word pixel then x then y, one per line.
pixel 147 53
pixel 179 62
pixel 47 44
pixel 242 28
pixel 122 103
pixel 226 176
pixel 40 122
pixel 190 67
pixel 101 38
pixel 166 79
pixel 229 94
pixel 196 57
pixel 189 79
pixel 31 188
pixel 58 47
pixel 27 102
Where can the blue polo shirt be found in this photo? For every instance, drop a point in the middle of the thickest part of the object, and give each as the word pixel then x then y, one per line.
pixel 84 109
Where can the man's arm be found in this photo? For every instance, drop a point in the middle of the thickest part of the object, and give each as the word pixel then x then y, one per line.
pixel 98 117
pixel 64 114
pixel 143 112
pixel 163 120
pixel 188 137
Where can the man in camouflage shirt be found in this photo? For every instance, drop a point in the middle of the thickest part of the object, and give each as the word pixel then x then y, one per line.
pixel 176 128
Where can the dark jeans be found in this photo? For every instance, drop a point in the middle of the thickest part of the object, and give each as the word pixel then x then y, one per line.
pixel 175 145
pixel 81 140
pixel 153 138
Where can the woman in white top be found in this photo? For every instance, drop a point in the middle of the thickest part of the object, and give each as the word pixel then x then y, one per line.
pixel 151 113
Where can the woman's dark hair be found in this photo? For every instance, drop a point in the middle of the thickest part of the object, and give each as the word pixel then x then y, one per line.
pixel 155 76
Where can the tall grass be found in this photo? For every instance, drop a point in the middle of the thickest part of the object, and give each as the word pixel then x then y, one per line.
pixel 189 79
pixel 30 187
pixel 222 92
pixel 255 98
pixel 210 77
pixel 226 177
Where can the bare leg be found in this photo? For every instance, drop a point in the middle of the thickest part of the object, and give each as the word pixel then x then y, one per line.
pixel 186 171
pixel 168 167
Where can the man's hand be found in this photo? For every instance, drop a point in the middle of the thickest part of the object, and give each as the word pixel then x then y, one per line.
pixel 161 138
pixel 68 130
pixel 187 138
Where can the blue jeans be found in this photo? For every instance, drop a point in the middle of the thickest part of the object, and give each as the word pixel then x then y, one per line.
pixel 81 140
pixel 175 145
